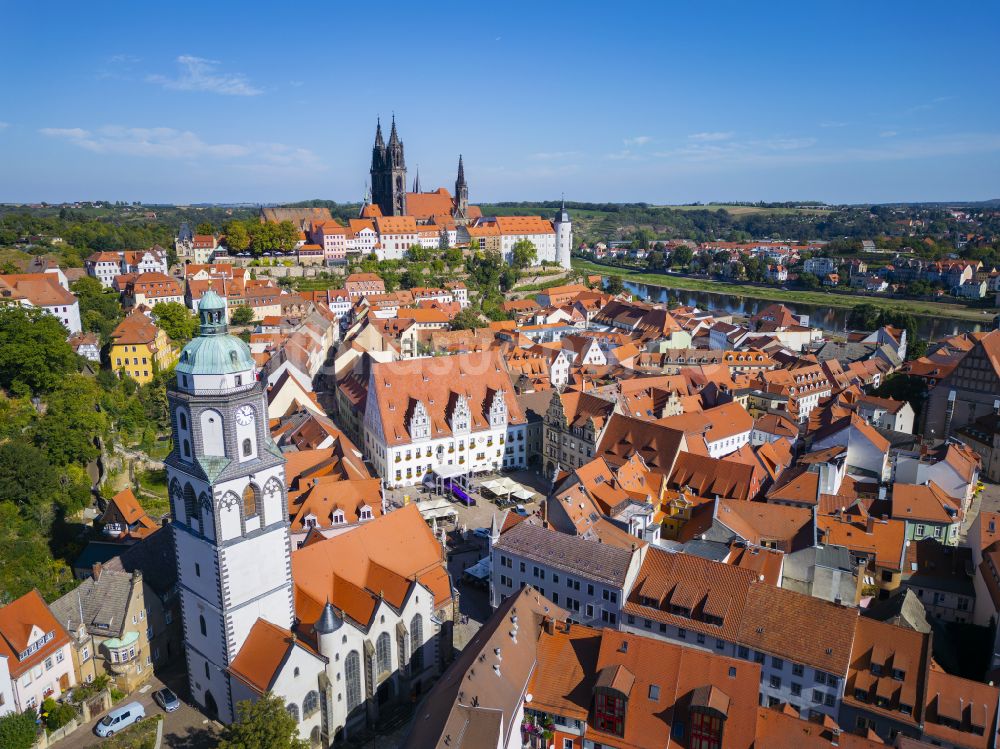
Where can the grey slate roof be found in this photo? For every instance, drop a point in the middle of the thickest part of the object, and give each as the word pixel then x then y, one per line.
pixel 155 557
pixel 103 603
pixel 591 560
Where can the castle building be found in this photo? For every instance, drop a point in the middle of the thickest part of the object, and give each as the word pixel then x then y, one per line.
pixel 340 628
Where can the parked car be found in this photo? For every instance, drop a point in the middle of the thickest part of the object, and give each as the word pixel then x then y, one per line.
pixel 481 532
pixel 166 699
pixel 120 719
pixel 521 510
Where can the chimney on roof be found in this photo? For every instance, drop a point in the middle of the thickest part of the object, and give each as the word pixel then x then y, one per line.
pixel 96 570
pixel 548 625
pixel 870 524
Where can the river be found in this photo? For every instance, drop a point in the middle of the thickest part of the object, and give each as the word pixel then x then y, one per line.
pixel 833 319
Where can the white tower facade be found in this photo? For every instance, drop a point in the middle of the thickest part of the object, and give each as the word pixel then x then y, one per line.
pixel 227 491
pixel 564 236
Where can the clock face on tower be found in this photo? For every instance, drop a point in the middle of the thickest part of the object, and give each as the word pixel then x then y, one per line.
pixel 244 415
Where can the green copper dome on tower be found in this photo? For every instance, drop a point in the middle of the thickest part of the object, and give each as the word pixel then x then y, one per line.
pixel 214 351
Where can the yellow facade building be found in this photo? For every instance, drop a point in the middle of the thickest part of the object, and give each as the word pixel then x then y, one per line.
pixel 139 349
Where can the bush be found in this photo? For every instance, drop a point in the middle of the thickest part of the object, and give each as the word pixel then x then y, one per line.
pixel 57 714
pixel 116 694
pixel 86 691
pixel 18 731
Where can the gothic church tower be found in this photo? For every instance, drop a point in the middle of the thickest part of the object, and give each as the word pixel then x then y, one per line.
pixel 388 173
pixel 227 492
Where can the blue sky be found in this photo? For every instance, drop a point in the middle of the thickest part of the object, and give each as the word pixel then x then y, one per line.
pixel 218 101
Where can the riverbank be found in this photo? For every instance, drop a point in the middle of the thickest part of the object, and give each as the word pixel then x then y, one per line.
pixel 821 298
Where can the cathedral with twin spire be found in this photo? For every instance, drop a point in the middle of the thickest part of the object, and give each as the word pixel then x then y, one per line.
pixel 388 185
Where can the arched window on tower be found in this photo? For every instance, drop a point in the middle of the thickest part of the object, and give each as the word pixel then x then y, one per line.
pixel 352 675
pixel 182 417
pixel 247 448
pixel 186 449
pixel 201 624
pixel 190 504
pixel 250 501
pixel 293 710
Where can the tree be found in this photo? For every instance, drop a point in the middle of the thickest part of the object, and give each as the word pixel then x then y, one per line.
pixel 176 321
pixel 264 724
pixel 411 278
pixel 523 253
pixel 17 730
pixel 467 319
pixel 205 227
pixel 809 280
pixel 681 256
pixel 73 421
pixel 614 285
pixel 100 311
pixel 242 315
pixel 418 254
pixel 237 236
pixel 864 317
pixel 654 260
pixel 33 350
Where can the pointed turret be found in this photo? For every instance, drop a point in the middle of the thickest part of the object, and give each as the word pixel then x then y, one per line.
pixel 461 192
pixel 393 137
pixel 329 621
pixel 379 143
pixel 416 180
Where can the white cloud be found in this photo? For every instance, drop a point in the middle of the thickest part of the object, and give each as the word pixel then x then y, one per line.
pixel 709 137
pixel 638 140
pixel 123 59
pixel 169 143
pixel 888 134
pixel 4 125
pixel 833 123
pixel 199 74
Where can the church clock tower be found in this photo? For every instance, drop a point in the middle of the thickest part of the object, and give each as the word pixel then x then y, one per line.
pixel 227 492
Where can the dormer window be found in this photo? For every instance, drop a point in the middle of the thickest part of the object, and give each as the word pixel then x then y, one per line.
pixel 609 713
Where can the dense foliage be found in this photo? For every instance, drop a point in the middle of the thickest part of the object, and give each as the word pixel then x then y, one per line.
pixel 262 724
pixel 17 730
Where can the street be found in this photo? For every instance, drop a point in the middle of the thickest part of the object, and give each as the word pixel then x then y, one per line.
pixel 185 728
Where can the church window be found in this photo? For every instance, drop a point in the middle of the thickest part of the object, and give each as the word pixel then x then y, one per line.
pixel 383 654
pixel 250 501
pixel 247 448
pixel 352 674
pixel 292 709
pixel 202 625
pixel 187 449
pixel 310 704
pixel 207 675
pixel 416 642
pixel 295 673
pixel 183 420
pixel 190 503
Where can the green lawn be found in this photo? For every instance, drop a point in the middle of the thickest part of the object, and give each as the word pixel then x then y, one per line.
pixel 823 298
pixel 154 483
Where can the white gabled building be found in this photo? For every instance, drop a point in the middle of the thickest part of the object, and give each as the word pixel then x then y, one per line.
pixel 448 414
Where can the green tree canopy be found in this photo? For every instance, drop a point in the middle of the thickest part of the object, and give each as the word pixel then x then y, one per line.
pixel 72 422
pixel 33 350
pixel 17 730
pixel 681 256
pixel 467 319
pixel 176 320
pixel 100 310
pixel 523 253
pixel 205 227
pixel 264 724
pixel 242 315
pixel 237 236
pixel 615 285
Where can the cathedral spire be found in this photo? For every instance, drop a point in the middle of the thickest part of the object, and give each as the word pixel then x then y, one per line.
pixel 416 180
pixel 461 171
pixel 461 210
pixel 393 137
pixel 379 143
